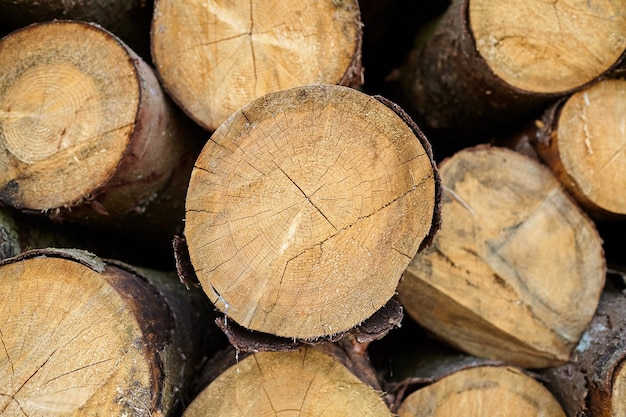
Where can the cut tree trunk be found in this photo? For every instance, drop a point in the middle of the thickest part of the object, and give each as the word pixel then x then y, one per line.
pixel 488 63
pixel 594 382
pixel 304 209
pixel 87 133
pixel 482 390
pixel 85 337
pixel 307 382
pixel 128 19
pixel 215 57
pixel 582 139
pixel 516 271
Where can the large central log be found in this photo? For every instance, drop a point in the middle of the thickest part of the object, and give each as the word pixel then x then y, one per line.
pixel 306 206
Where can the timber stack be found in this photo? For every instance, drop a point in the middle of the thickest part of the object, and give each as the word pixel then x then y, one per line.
pixel 339 207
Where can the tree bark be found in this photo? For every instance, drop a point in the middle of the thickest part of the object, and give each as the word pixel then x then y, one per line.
pixel 306 206
pixel 316 381
pixel 486 64
pixel 86 133
pixel 214 58
pixel 130 20
pixel 581 139
pixel 516 271
pixel 482 390
pixel 82 336
pixel 592 383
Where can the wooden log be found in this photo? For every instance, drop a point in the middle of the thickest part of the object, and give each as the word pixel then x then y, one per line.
pixel 215 57
pixel 87 133
pixel 306 206
pixel 516 271
pixel 488 63
pixel 310 381
pixel 130 20
pixel 482 390
pixel 582 140
pixel 84 336
pixel 593 382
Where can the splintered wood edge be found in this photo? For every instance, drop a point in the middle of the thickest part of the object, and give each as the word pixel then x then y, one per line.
pixel 51 138
pixel 155 324
pixel 557 47
pixel 308 380
pixel 200 209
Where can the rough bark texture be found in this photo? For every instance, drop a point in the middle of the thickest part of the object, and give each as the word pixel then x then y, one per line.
pixel 304 209
pixel 86 133
pixel 216 57
pixel 116 340
pixel 516 271
pixel 467 73
pixel 592 383
pixel 581 139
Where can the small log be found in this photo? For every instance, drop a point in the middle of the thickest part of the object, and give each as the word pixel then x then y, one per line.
pixel 582 139
pixel 309 381
pixel 306 206
pixel 482 390
pixel 516 271
pixel 87 133
pixel 593 383
pixel 89 337
pixel 215 57
pixel 488 63
pixel 128 19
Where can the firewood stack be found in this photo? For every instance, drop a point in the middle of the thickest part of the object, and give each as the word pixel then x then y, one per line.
pixel 319 208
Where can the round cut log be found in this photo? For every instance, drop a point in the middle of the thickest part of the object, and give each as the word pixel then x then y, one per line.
pixel 305 207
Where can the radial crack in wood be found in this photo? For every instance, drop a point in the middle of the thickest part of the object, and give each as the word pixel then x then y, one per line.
pixel 79 336
pixel 216 57
pixel 304 382
pixel 303 210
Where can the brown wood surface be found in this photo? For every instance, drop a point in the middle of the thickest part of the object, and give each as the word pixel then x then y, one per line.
pixel 582 139
pixel 516 271
pixel 87 133
pixel 81 336
pixel 488 63
pixel 305 207
pixel 482 391
pixel 310 381
pixel 215 57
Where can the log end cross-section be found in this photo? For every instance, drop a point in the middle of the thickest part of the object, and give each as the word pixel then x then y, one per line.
pixel 78 337
pixel 307 382
pixel 305 207
pixel 548 46
pixel 482 391
pixel 516 271
pixel 83 124
pixel 214 57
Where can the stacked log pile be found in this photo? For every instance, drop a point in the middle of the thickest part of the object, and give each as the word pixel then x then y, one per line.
pixel 312 208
